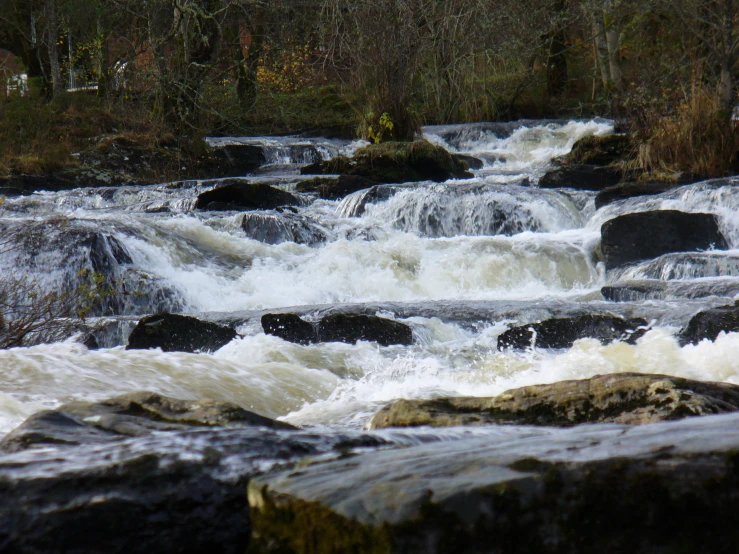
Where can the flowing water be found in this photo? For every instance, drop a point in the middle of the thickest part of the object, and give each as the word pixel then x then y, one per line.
pixel 458 261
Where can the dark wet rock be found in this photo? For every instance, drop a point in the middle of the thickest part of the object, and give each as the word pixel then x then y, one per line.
pixel 236 160
pixel 622 191
pixel 395 162
pixel 555 491
pixel 581 177
pixel 599 150
pixel 66 179
pixel 645 235
pixel 653 289
pixel 710 323
pixel 351 328
pixel 472 162
pixel 630 398
pixel 563 332
pixel 276 228
pixel 335 188
pixel 179 333
pixel 236 194
pixel 143 473
pixel 289 327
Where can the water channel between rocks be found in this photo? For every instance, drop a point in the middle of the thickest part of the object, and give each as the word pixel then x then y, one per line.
pixel 458 261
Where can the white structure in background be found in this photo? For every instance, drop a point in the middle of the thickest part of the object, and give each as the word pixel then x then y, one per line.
pixel 17 84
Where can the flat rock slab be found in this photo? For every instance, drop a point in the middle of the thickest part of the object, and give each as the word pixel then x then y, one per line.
pixel 632 398
pixel 667 487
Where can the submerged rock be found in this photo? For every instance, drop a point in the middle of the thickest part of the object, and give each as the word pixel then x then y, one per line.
pixel 581 177
pixel 710 323
pixel 630 398
pixel 396 162
pixel 472 162
pixel 179 333
pixel 563 332
pixel 335 188
pixel 351 328
pixel 289 327
pixel 645 235
pixel 236 194
pixel 558 491
pixel 276 228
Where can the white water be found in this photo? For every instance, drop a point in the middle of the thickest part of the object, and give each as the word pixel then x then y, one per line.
pixel 463 240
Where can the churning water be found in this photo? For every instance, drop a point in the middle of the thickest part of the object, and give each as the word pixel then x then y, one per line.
pixel 458 261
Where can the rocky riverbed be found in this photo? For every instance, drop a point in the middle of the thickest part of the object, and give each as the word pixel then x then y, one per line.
pixel 490 340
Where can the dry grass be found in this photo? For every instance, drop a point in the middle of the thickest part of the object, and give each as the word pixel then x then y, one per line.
pixel 697 139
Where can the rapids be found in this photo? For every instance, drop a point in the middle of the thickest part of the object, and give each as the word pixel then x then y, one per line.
pixel 423 254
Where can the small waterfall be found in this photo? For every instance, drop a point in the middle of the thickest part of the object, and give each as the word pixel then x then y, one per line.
pixel 683 266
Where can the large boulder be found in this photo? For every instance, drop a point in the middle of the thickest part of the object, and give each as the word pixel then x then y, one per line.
pixel 276 228
pixel 351 328
pixel 630 398
pixel 646 235
pixel 335 188
pixel 665 487
pixel 710 323
pixel 581 177
pixel 289 327
pixel 179 333
pixel 396 162
pixel 237 194
pixel 563 332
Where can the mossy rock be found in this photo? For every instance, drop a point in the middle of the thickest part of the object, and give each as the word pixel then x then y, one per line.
pixel 396 162
pixel 620 398
pixel 599 150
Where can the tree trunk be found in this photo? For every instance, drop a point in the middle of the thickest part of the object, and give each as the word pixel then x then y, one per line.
pixel 557 73
pixel 612 39
pixel 727 61
pixel 601 48
pixel 53 36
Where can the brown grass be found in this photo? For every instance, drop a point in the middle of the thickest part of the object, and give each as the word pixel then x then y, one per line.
pixel 698 138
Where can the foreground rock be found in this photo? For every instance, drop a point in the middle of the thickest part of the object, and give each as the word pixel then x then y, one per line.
pixel 348 328
pixel 645 235
pixel 559 491
pixel 396 162
pixel 237 194
pixel 710 323
pixel 563 332
pixel 179 333
pixel 581 177
pixel 630 398
pixel 129 415
pixel 142 473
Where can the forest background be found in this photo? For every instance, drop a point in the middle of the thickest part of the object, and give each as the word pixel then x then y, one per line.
pixel 158 71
